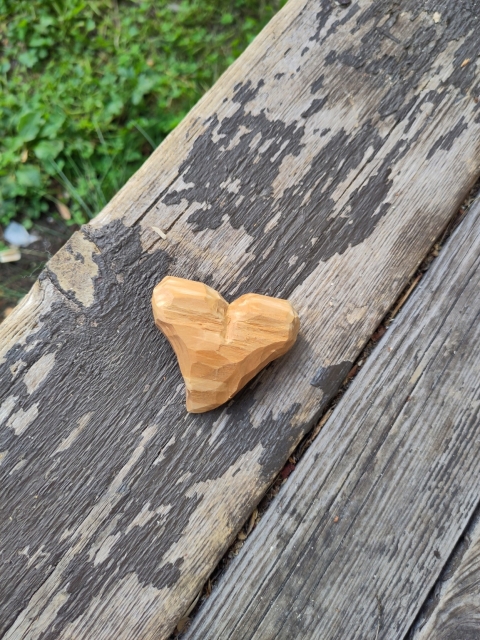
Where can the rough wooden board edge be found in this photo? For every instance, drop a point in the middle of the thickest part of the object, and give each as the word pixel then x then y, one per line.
pixel 23 322
pixel 252 575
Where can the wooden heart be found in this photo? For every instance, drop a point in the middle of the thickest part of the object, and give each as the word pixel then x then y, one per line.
pixel 220 346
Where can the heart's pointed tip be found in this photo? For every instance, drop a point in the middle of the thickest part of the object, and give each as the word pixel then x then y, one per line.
pixel 198 410
pixel 193 407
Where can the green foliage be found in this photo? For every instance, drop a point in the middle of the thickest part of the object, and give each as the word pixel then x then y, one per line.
pixel 89 87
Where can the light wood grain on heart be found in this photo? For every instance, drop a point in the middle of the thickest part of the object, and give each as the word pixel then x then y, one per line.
pixel 220 346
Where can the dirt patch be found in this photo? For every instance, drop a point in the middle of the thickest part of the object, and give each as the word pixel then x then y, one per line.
pixel 16 278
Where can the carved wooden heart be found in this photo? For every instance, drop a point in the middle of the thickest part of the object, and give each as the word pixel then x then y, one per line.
pixel 220 346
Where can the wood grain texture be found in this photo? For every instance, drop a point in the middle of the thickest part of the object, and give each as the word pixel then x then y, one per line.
pixel 453 609
pixel 220 346
pixel 320 169
pixel 357 537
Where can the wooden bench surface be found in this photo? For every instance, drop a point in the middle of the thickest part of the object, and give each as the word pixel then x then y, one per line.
pixel 321 167
pixel 358 536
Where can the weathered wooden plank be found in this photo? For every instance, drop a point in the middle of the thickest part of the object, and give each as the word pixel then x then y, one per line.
pixel 454 611
pixel 320 168
pixel 356 539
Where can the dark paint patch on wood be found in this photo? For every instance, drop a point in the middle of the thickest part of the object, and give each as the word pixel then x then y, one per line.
pixel 414 57
pixel 244 92
pixel 367 205
pixel 322 18
pixel 329 6
pixel 329 379
pixel 446 141
pixel 318 84
pixel 84 363
pixel 301 217
pixel 316 106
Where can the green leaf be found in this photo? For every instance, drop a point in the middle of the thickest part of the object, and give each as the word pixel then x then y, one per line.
pixel 29 176
pixel 115 106
pixel 227 18
pixel 45 22
pixel 28 58
pixel 144 85
pixel 53 125
pixel 38 41
pixel 48 149
pixel 29 125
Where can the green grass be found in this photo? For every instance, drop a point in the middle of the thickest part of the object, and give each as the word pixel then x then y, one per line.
pixel 89 88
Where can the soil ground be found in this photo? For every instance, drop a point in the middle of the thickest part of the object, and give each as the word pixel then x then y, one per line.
pixel 16 278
